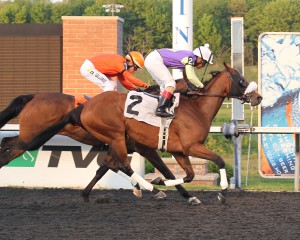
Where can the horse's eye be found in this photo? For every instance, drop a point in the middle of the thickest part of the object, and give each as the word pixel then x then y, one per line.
pixel 242 82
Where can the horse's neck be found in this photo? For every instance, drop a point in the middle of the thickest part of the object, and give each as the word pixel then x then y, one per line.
pixel 210 105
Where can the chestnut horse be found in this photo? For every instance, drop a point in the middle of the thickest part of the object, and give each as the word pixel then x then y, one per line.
pixel 103 116
pixel 39 111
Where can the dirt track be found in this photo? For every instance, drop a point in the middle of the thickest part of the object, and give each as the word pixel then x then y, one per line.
pixel 117 214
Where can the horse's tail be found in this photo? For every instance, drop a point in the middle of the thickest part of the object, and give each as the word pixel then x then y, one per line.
pixel 39 140
pixel 14 108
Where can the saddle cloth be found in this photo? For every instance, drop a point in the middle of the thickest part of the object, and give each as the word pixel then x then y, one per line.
pixel 142 108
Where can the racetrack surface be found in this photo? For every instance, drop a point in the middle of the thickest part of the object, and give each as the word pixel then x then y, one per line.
pixel 117 214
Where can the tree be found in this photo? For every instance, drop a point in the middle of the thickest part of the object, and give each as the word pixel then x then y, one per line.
pixel 147 24
pixel 217 16
pixel 96 9
pixel 280 16
pixel 238 8
pixel 41 12
pixel 272 16
pixel 78 7
pixel 58 10
pixel 206 32
pixel 8 12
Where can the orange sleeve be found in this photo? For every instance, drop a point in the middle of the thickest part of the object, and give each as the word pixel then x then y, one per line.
pixel 137 82
pixel 126 84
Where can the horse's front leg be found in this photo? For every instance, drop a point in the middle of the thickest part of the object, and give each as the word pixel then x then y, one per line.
pixel 158 163
pixel 9 151
pixel 200 151
pixel 8 142
pixel 185 164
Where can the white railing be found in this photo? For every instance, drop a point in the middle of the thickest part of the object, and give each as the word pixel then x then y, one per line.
pixel 242 129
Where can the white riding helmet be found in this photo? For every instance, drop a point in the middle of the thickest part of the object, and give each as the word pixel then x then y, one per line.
pixel 204 52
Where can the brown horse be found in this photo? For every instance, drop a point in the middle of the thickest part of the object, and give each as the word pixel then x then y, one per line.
pixel 38 111
pixel 103 116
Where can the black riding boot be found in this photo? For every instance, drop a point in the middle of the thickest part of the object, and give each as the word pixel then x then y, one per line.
pixel 161 110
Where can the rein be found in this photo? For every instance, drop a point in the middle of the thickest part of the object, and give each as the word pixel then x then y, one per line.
pixel 244 98
pixel 203 94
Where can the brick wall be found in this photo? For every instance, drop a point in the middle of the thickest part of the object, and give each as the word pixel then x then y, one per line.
pixel 84 37
pixel 199 166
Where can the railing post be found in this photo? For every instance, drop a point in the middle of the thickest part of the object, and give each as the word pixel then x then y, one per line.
pixel 297 164
pixel 237 157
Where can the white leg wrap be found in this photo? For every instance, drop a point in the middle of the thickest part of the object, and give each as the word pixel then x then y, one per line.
pixel 174 182
pixel 146 185
pixel 223 182
pixel 126 177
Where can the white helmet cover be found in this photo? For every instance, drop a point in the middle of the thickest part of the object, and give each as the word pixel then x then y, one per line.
pixel 204 52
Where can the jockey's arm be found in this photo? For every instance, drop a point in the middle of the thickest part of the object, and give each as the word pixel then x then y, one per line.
pixel 190 72
pixel 126 84
pixel 132 79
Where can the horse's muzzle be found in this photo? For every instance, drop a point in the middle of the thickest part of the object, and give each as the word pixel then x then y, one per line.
pixel 255 100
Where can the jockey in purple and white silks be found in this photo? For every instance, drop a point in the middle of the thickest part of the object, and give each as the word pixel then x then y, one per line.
pixel 158 63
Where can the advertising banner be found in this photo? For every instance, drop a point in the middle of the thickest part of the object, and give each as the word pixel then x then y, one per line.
pixel 63 163
pixel 279 82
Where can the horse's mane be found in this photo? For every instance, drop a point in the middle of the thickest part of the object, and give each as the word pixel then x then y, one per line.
pixel 213 75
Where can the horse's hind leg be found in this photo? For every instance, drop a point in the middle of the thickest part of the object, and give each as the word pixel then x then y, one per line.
pixel 99 174
pixel 119 148
pixel 109 163
pixel 112 162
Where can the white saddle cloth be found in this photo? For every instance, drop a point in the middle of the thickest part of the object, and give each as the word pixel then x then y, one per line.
pixel 142 108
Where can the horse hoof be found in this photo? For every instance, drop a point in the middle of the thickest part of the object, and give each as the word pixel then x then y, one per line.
pixel 137 192
pixel 194 201
pixel 160 195
pixel 221 198
pixel 157 181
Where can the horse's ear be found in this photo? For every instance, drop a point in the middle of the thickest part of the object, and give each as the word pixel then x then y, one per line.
pixel 228 68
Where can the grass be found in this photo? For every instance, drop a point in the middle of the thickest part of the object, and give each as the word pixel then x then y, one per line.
pixel 254 180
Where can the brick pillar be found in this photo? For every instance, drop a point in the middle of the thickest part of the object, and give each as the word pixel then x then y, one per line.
pixel 84 37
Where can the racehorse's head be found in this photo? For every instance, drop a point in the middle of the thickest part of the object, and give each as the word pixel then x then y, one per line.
pixel 242 89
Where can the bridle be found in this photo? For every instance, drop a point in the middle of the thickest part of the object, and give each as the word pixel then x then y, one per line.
pixel 236 81
pixel 206 62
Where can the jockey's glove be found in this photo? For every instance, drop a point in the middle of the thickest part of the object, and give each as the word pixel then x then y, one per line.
pixel 145 85
pixel 138 90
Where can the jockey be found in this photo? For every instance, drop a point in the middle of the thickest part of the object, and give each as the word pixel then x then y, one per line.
pixel 158 63
pixel 99 70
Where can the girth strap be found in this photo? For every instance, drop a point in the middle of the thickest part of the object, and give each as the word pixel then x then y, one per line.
pixel 163 135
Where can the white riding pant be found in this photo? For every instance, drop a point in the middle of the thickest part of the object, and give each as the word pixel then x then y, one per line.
pixel 89 72
pixel 158 70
